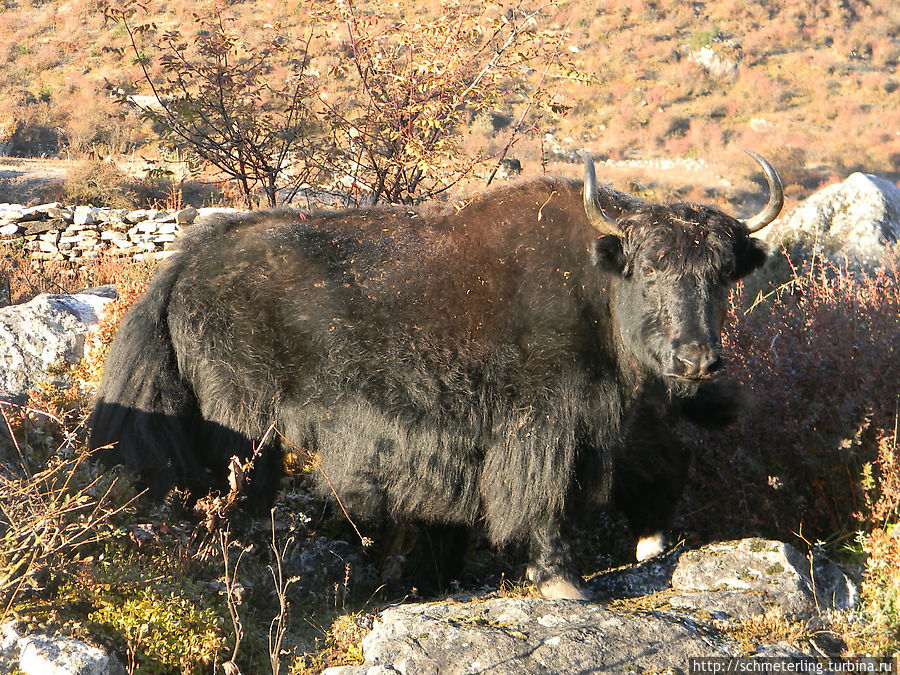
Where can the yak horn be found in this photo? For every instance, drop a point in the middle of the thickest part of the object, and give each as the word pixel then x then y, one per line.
pixel 776 196
pixel 601 222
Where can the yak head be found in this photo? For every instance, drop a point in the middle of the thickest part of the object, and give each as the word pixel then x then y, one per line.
pixel 672 268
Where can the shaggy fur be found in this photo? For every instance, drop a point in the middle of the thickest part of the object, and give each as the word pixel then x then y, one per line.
pixel 497 364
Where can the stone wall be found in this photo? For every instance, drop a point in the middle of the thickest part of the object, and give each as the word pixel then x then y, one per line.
pixel 80 234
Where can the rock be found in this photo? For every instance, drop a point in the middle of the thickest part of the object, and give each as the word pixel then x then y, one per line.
pixel 854 219
pixel 85 215
pixel 694 604
pixel 41 227
pixel 740 579
pixel 715 63
pixel 207 212
pixel 46 655
pixel 186 216
pixel 53 656
pixel 10 229
pixel 513 636
pixel 60 213
pixel 134 217
pixel 147 227
pixel 168 228
pixel 40 336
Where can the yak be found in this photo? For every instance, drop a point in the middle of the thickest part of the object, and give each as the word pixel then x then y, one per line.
pixel 503 363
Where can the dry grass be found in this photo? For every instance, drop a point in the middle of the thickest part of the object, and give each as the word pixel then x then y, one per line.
pixel 810 76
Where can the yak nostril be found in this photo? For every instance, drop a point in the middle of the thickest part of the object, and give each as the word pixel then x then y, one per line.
pixel 714 364
pixel 696 360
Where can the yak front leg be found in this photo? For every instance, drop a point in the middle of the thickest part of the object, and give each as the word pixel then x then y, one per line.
pixel 550 569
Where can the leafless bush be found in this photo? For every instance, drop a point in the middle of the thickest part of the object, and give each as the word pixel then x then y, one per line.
pixel 48 516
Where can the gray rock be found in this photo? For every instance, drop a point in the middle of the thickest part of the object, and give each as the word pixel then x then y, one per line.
pixel 38 337
pixel 513 636
pixel 41 227
pixel 41 655
pixel 46 655
pixel 693 602
pixel 186 216
pixel 854 219
pixel 740 579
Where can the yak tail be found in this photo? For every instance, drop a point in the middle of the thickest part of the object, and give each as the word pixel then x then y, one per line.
pixel 145 410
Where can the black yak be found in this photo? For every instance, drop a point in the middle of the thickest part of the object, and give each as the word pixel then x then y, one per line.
pixel 503 363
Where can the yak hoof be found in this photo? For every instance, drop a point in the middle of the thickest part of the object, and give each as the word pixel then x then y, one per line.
pixel 650 547
pixel 561 589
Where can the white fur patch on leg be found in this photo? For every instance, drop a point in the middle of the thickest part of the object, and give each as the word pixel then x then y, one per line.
pixel 650 547
pixel 561 589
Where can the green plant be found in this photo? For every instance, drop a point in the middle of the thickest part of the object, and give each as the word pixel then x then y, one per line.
pixel 163 630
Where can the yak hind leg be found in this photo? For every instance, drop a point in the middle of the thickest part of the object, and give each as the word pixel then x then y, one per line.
pixel 648 488
pixel 550 569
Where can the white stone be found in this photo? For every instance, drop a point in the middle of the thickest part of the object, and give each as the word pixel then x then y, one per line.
pixel 45 332
pixel 85 215
pixel 208 212
pixel 854 219
pixel 42 655
pixel 714 63
pixel 168 228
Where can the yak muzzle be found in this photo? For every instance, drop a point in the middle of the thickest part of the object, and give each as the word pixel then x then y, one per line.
pixel 697 362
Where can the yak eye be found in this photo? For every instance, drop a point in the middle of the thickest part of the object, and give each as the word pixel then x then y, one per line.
pixel 648 270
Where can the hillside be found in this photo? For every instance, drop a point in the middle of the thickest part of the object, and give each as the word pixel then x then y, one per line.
pixel 810 84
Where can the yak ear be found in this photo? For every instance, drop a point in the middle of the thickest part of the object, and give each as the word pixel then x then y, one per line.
pixel 751 258
pixel 607 253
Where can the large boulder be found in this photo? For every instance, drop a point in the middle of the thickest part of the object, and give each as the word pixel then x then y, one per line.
pixel 649 617
pixel 750 577
pixel 40 338
pixel 854 221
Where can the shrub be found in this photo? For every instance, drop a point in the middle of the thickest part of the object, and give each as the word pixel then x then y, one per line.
pixel 881 544
pixel 99 183
pixel 146 601
pixel 90 370
pixel 819 356
pixel 53 503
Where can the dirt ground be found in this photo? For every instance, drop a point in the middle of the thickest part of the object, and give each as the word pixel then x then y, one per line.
pixel 31 181
pixel 38 180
